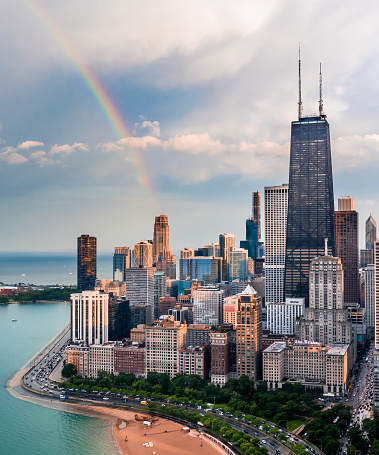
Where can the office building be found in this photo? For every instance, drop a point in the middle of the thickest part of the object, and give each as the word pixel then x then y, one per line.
pixel 238 266
pixel 164 340
pixel 118 318
pixel 194 360
pixel 249 334
pixel 230 309
pixel 369 294
pixel 326 320
pixel 213 249
pixel 139 284
pixel 143 254
pixel 226 243
pixel 161 242
pixel 159 291
pixel 281 317
pixel 187 253
pixel 121 262
pixel 207 305
pixel 345 204
pixel 347 249
pixel 207 269
pixel 86 263
pixel 367 257
pixel 130 359
pixel 310 216
pixel 276 203
pixel 89 317
pixel 371 232
pixel 221 338
pixel 197 335
pixel 101 358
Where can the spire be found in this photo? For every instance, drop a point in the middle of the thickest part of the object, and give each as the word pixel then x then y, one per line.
pixel 326 247
pixel 320 102
pixel 300 103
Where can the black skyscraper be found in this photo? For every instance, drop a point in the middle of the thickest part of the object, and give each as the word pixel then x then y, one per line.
pixel 310 199
pixel 86 262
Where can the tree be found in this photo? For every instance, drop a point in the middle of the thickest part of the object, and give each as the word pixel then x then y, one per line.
pixel 69 370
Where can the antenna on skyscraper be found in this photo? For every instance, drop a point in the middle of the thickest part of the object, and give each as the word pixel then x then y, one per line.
pixel 320 103
pixel 300 103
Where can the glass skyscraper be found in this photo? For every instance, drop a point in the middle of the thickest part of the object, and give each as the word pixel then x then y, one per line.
pixel 310 218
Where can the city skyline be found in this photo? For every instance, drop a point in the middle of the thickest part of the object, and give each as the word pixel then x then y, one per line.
pixel 202 107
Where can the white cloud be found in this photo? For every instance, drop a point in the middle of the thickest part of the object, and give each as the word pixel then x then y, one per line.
pixel 147 127
pixel 68 149
pixel 28 144
pixel 355 152
pixel 14 158
pixel 41 158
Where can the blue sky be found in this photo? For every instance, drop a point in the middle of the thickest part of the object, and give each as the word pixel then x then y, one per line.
pixel 207 91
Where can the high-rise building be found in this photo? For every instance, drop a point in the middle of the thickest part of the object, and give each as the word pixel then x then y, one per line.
pixel 213 249
pixel 207 305
pixel 326 319
pixel 86 262
pixel 367 257
pixel 121 262
pixel 249 334
pixel 371 232
pixel 161 242
pixel 281 317
pixel 89 317
pixel 368 276
pixel 276 202
pixel 207 269
pixel 238 268
pixel 140 288
pixel 256 211
pixel 221 340
pixel 345 204
pixel 253 228
pixel 347 248
pixel 159 291
pixel 376 265
pixel 226 243
pixel 118 318
pixel 187 253
pixel 143 254
pixel 310 217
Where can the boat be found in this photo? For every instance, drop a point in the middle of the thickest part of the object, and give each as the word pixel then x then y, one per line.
pixel 14 320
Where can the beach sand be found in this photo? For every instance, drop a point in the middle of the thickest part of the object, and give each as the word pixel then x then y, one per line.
pixel 167 437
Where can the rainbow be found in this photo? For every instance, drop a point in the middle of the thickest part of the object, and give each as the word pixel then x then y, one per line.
pixel 102 98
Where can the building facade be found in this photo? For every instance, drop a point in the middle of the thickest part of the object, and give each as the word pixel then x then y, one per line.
pixel 276 203
pixel 143 254
pixel 139 284
pixel 207 305
pixel 86 262
pixel 281 317
pixel 121 262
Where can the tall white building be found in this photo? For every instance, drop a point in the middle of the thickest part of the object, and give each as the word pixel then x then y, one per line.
pixel 276 203
pixel 369 286
pixel 89 317
pixel 281 317
pixel 207 305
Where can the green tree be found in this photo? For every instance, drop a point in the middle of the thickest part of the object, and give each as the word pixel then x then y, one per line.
pixel 69 370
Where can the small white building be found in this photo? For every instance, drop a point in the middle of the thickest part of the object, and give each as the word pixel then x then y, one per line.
pixel 281 317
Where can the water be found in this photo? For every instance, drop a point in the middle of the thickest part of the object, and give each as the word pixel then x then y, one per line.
pixel 26 428
pixel 47 268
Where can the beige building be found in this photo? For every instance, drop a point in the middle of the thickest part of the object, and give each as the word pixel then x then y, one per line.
pixel 78 355
pixel 230 310
pixel 163 342
pixel 194 360
pixel 310 363
pixel 143 254
pixel 101 358
pixel 138 334
pixel 115 287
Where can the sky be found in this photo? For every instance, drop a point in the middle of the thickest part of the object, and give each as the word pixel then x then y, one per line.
pixel 114 112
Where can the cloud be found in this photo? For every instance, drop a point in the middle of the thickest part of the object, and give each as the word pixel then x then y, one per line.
pixel 28 144
pixel 355 152
pixel 14 158
pixel 41 158
pixel 68 149
pixel 147 127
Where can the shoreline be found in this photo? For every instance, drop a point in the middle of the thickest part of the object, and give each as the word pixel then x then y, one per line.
pixel 128 434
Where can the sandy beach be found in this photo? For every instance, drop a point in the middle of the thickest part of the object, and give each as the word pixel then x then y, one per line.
pixel 130 435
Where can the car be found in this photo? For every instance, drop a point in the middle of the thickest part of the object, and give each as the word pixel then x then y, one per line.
pixel 106 399
pixel 263 441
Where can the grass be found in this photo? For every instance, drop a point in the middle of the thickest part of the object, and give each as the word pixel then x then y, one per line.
pixel 293 424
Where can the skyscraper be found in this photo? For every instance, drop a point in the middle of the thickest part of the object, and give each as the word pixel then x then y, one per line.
pixel 121 262
pixel 86 262
pixel 161 237
pixel 140 288
pixel 256 212
pixel 347 248
pixel 371 232
pixel 253 228
pixel 143 254
pixel 226 243
pixel 310 216
pixel 276 201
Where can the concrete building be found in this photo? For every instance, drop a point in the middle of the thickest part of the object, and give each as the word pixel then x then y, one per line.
pixel 138 334
pixel 87 257
pixel 119 320
pixel 164 340
pixel 165 304
pixel 281 317
pixel 369 294
pixel 249 334
pixel 187 253
pixel 159 291
pixel 121 261
pixel 213 249
pixel 101 358
pixel 163 257
pixel 310 363
pixel 78 355
pixel 366 258
pixel 194 360
pixel 197 335
pixel 203 268
pixel 89 317
pixel 143 254
pixel 130 359
pixel 227 242
pixel 371 232
pixel 207 305
pixel 221 340
pixel 230 309
pixel 276 203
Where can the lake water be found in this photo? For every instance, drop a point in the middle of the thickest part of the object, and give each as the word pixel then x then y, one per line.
pixel 48 268
pixel 26 428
